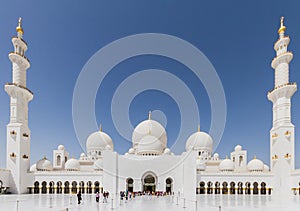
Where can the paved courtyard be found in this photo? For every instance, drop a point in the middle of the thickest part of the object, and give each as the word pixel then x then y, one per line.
pixel 144 203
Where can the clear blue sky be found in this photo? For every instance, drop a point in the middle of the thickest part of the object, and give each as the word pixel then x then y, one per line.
pixel 236 36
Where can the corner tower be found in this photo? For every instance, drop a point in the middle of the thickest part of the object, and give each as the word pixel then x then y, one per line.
pixel 18 133
pixel 282 156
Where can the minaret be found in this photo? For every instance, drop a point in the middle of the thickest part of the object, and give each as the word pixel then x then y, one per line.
pixel 282 156
pixel 18 133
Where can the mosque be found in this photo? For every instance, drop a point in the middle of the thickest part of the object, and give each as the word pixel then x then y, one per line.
pixel 149 165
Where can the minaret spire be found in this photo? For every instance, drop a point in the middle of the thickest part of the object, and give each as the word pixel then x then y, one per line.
pixel 18 132
pixel 282 133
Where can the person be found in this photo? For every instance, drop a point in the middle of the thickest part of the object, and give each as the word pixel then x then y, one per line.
pixel 79 197
pixel 97 197
pixel 104 197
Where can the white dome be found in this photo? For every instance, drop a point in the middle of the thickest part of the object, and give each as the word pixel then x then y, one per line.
pixel 149 144
pixel 167 151
pixel 33 167
pixel 200 165
pixel 226 165
pixel 108 147
pixel 61 147
pixel 98 141
pixel 238 148
pixel 82 155
pixel 131 151
pixel 255 165
pixel 216 156
pixel 44 165
pixel 98 165
pixel 149 127
pixel 199 141
pixel 72 165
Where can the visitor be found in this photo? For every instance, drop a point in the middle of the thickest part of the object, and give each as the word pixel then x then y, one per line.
pixel 97 197
pixel 79 197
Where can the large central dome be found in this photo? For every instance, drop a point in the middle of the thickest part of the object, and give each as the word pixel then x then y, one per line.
pixel 149 127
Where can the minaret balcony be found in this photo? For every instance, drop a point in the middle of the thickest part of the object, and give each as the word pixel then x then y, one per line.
pixel 285 90
pixel 20 59
pixel 11 89
pixel 282 58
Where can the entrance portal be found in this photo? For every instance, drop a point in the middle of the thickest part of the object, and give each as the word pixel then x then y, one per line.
pixel 149 183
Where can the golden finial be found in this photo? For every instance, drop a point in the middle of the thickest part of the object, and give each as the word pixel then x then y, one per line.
pixel 44 157
pixel 198 127
pixel 226 157
pixel 149 115
pixel 19 28
pixel 149 132
pixel 100 128
pixel 282 27
pixel 254 156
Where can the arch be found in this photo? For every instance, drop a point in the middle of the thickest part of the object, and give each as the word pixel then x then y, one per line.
pixel 51 187
pixel 59 187
pixel 209 187
pixel 217 188
pixel 67 187
pixel 149 180
pixel 44 187
pixel 74 187
pixel 58 160
pixel 232 188
pixel 129 184
pixel 89 187
pixel 240 188
pixel 36 189
pixel 97 185
pixel 263 189
pixel 202 187
pixel 81 186
pixel 224 188
pixel 169 185
pixel 255 188
pixel 247 188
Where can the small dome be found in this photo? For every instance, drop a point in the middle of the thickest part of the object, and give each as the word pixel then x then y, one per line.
pixel 199 141
pixel 255 165
pixel 167 151
pixel 98 165
pixel 98 141
pixel 216 156
pixel 72 165
pixel 131 151
pixel 126 154
pixel 226 165
pixel 33 167
pixel 150 145
pixel 82 155
pixel 238 148
pixel 266 168
pixel 200 165
pixel 61 147
pixel 44 165
pixel 145 128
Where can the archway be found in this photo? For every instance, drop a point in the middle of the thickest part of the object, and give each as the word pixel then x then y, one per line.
pixel 89 187
pixel 247 188
pixel 129 184
pixel 217 188
pixel 255 188
pixel 81 186
pixel 44 187
pixel 240 188
pixel 97 184
pixel 67 188
pixel 51 187
pixel 59 187
pixel 263 190
pixel 74 187
pixel 149 182
pixel 169 184
pixel 224 188
pixel 36 187
pixel 202 187
pixel 209 188
pixel 232 188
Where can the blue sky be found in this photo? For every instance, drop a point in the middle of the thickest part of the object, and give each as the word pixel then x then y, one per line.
pixel 236 36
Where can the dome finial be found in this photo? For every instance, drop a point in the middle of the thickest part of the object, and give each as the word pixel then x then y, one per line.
pixel 19 28
pixel 100 128
pixel 198 127
pixel 282 28
pixel 254 156
pixel 149 115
